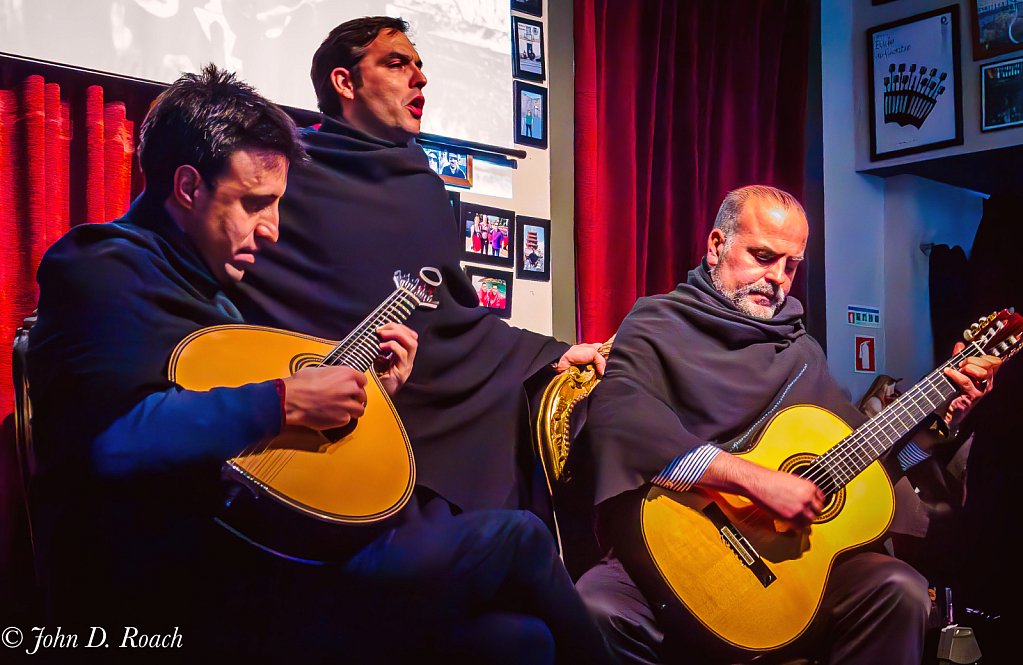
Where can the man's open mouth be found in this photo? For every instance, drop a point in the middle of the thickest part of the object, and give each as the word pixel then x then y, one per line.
pixel 415 107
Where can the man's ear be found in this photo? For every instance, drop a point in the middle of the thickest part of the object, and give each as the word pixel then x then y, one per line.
pixel 343 84
pixel 715 247
pixel 187 182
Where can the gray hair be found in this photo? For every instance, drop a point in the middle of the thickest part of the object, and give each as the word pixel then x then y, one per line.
pixel 735 202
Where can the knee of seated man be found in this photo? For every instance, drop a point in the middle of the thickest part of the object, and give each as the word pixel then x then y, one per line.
pixel 906 588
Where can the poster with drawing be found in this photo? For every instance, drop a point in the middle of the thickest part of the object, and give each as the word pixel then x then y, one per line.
pixel 915 95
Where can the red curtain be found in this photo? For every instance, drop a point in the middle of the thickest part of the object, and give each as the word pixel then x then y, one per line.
pixel 35 210
pixel 676 103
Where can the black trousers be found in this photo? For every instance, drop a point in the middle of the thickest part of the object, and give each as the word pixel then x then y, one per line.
pixel 874 611
pixel 481 587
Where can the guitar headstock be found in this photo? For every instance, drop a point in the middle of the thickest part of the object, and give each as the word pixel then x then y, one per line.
pixel 421 288
pixel 999 335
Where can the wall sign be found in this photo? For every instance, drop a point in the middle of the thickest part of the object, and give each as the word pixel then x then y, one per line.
pixel 866 317
pixel 865 359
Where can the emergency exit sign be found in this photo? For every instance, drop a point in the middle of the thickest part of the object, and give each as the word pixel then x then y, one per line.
pixel 866 317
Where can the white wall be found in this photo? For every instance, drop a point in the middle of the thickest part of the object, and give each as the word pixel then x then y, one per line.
pixel 874 226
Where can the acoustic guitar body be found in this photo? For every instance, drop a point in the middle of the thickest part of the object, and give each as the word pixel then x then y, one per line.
pixel 353 477
pixel 733 574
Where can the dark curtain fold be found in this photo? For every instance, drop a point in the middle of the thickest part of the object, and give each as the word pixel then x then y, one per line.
pixel 677 102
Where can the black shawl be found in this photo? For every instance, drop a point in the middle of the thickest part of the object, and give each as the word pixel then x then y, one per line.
pixel 361 210
pixel 687 368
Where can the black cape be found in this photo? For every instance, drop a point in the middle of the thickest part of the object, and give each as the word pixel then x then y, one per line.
pixel 361 210
pixel 688 368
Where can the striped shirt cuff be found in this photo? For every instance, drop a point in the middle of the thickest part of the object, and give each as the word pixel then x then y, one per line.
pixel 911 455
pixel 686 470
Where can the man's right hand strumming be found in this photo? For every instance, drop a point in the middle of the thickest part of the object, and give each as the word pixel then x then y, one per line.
pixel 324 397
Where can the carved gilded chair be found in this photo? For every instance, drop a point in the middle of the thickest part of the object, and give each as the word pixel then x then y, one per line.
pixel 555 426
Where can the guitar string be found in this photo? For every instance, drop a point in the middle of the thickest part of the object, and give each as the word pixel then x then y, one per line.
pixel 829 465
pixel 856 444
pixel 399 309
pixel 875 423
pixel 358 349
pixel 266 461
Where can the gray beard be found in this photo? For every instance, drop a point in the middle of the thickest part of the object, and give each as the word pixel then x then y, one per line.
pixel 740 296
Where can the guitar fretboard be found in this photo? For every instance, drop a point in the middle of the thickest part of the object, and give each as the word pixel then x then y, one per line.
pixel 835 468
pixel 362 346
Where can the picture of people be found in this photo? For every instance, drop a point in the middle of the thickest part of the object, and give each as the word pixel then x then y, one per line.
pixel 454 168
pixel 493 288
pixel 489 234
pixel 532 248
pixel 528 61
pixel 530 114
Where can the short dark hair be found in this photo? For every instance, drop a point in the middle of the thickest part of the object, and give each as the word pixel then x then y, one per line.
pixel 727 220
pixel 345 46
pixel 201 120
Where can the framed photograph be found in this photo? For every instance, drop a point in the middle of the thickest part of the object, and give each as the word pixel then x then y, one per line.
pixel 534 7
pixel 489 235
pixel 456 210
pixel 454 168
pixel 528 60
pixel 916 98
pixel 1001 95
pixel 530 115
pixel 493 288
pixel 531 248
pixel 997 28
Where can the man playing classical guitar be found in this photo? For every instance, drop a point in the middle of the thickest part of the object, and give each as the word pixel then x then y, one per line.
pixel 129 462
pixel 692 376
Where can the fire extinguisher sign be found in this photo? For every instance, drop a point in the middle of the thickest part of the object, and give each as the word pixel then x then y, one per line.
pixel 865 358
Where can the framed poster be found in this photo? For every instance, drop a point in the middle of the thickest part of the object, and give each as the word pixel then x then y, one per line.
pixel 530 115
pixel 534 7
pixel 489 235
pixel 493 288
pixel 528 60
pixel 454 168
pixel 916 101
pixel 997 27
pixel 1001 95
pixel 533 238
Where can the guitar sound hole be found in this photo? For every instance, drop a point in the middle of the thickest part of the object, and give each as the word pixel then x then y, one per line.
pixel 802 466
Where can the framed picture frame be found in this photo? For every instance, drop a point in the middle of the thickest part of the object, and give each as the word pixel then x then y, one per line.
pixel 915 82
pixel 996 28
pixel 532 244
pixel 533 7
pixel 493 289
pixel 529 59
pixel 1001 95
pixel 454 168
pixel 456 210
pixel 488 235
pixel 530 115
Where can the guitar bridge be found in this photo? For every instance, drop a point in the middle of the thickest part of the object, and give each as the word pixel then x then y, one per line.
pixel 743 549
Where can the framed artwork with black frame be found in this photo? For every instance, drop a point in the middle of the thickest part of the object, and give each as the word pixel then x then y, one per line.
pixel 530 115
pixel 997 28
pixel 456 210
pixel 528 58
pixel 1001 95
pixel 493 289
pixel 915 82
pixel 532 243
pixel 488 235
pixel 534 7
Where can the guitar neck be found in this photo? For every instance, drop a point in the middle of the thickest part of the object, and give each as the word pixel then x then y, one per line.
pixel 362 346
pixel 834 469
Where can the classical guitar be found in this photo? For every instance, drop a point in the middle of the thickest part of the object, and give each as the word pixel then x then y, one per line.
pixel 716 567
pixel 340 483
